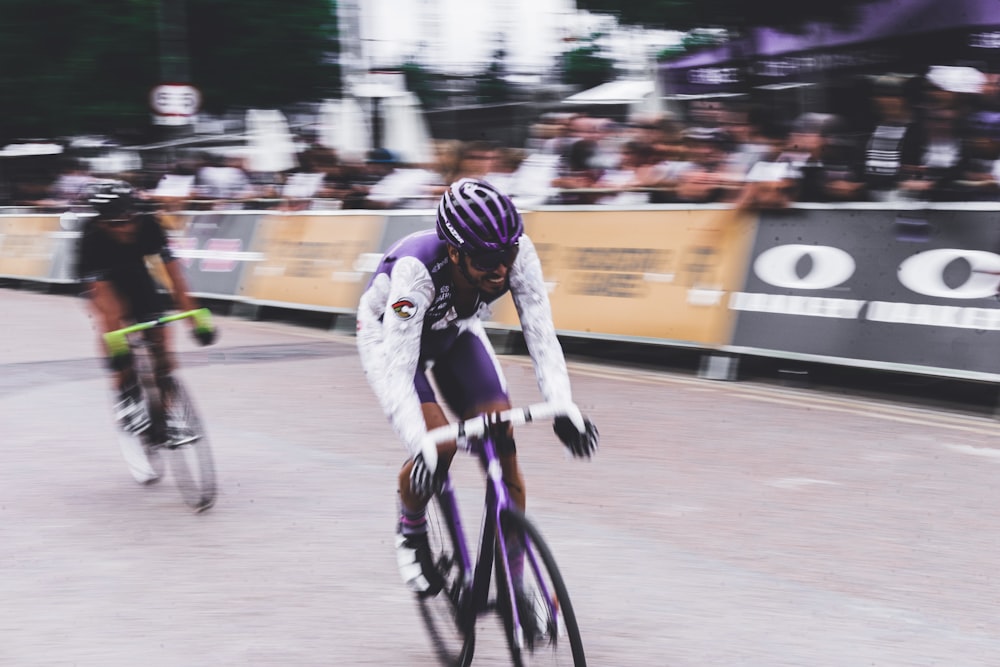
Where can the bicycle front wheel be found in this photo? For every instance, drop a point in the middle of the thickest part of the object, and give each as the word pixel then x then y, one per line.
pixel 189 453
pixel 452 631
pixel 545 630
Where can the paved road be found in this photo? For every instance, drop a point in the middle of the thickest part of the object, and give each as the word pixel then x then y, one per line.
pixel 721 524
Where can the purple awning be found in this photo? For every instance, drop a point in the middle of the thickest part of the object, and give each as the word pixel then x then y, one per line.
pixel 888 33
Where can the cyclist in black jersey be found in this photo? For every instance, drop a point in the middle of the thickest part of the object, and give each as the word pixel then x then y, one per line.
pixel 111 263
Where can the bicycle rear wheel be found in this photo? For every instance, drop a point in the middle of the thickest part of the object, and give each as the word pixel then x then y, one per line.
pixel 451 631
pixel 190 458
pixel 546 631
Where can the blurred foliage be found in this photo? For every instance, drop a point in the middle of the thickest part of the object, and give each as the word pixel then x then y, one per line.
pixel 80 66
pixel 692 41
pixel 491 86
pixel 422 83
pixel 587 65
pixel 731 14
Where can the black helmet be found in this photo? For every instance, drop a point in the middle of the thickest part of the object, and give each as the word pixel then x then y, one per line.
pixel 112 200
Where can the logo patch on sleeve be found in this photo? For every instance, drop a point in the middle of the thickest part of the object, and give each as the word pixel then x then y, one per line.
pixel 404 309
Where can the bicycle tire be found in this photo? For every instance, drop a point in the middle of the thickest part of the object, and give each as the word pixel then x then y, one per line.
pixel 548 645
pixel 191 463
pixel 452 634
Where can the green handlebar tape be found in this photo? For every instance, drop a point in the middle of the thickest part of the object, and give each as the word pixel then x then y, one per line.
pixel 116 343
pixel 202 319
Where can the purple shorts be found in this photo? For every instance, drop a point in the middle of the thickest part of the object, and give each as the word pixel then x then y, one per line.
pixel 466 372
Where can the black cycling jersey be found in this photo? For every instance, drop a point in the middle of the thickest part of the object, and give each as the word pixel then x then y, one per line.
pixel 102 257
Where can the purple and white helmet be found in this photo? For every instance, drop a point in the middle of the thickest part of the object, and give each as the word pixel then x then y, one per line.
pixel 475 216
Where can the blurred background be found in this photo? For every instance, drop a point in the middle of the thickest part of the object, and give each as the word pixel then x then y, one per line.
pixel 379 104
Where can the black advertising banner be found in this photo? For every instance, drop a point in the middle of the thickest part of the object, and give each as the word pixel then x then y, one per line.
pixel 880 288
pixel 215 249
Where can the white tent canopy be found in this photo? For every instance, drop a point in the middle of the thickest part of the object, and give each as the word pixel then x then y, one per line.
pixel 625 91
pixel 642 96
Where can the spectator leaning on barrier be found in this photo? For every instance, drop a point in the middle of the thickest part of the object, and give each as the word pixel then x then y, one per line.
pixel 629 176
pixel 892 153
pixel 406 186
pixel 707 180
pixel 578 174
pixel 773 181
pixel 73 184
pixel 946 98
pixel 223 178
pixel 825 160
pixel 977 175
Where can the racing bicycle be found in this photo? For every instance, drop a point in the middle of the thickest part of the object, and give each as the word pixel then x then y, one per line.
pixel 176 432
pixel 527 591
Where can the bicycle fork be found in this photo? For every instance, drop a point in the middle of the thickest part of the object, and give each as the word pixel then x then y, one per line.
pixel 461 596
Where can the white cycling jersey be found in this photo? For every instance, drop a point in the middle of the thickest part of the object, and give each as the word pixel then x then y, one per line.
pixel 407 314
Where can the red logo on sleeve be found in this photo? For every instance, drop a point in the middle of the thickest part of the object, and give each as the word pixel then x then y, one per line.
pixel 404 309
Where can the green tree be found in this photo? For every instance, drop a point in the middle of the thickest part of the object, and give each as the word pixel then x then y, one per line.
pixel 72 66
pixel 75 65
pixel 491 86
pixel 262 53
pixel 424 83
pixel 732 14
pixel 587 65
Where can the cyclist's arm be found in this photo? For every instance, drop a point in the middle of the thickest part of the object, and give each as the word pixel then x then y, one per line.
pixel 179 285
pixel 390 348
pixel 91 269
pixel 531 299
pixel 105 304
pixel 175 271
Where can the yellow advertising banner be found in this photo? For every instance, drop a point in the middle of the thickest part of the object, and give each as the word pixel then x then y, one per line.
pixel 659 274
pixel 27 245
pixel 313 260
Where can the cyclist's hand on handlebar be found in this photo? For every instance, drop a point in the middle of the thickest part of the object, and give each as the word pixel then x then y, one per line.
pixel 580 443
pixel 205 336
pixel 422 480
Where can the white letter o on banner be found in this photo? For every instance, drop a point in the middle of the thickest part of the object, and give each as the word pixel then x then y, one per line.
pixel 830 266
pixel 923 273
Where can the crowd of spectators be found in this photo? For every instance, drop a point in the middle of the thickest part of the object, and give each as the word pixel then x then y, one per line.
pixel 930 138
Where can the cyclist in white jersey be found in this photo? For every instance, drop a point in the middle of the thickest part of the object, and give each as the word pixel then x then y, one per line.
pixel 423 310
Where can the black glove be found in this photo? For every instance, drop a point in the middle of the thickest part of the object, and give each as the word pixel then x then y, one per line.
pixel 204 336
pixel 120 362
pixel 580 444
pixel 422 481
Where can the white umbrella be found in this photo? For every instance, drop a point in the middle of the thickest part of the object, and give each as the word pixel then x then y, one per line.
pixel 344 128
pixel 271 146
pixel 406 132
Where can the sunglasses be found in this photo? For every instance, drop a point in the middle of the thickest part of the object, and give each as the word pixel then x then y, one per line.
pixel 490 260
pixel 119 222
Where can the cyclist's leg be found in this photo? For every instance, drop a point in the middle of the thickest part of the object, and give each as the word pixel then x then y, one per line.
pixel 472 382
pixel 111 310
pixel 413 549
pixel 433 416
pixel 163 358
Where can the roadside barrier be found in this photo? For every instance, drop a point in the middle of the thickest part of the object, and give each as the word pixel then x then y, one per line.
pixel 909 288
